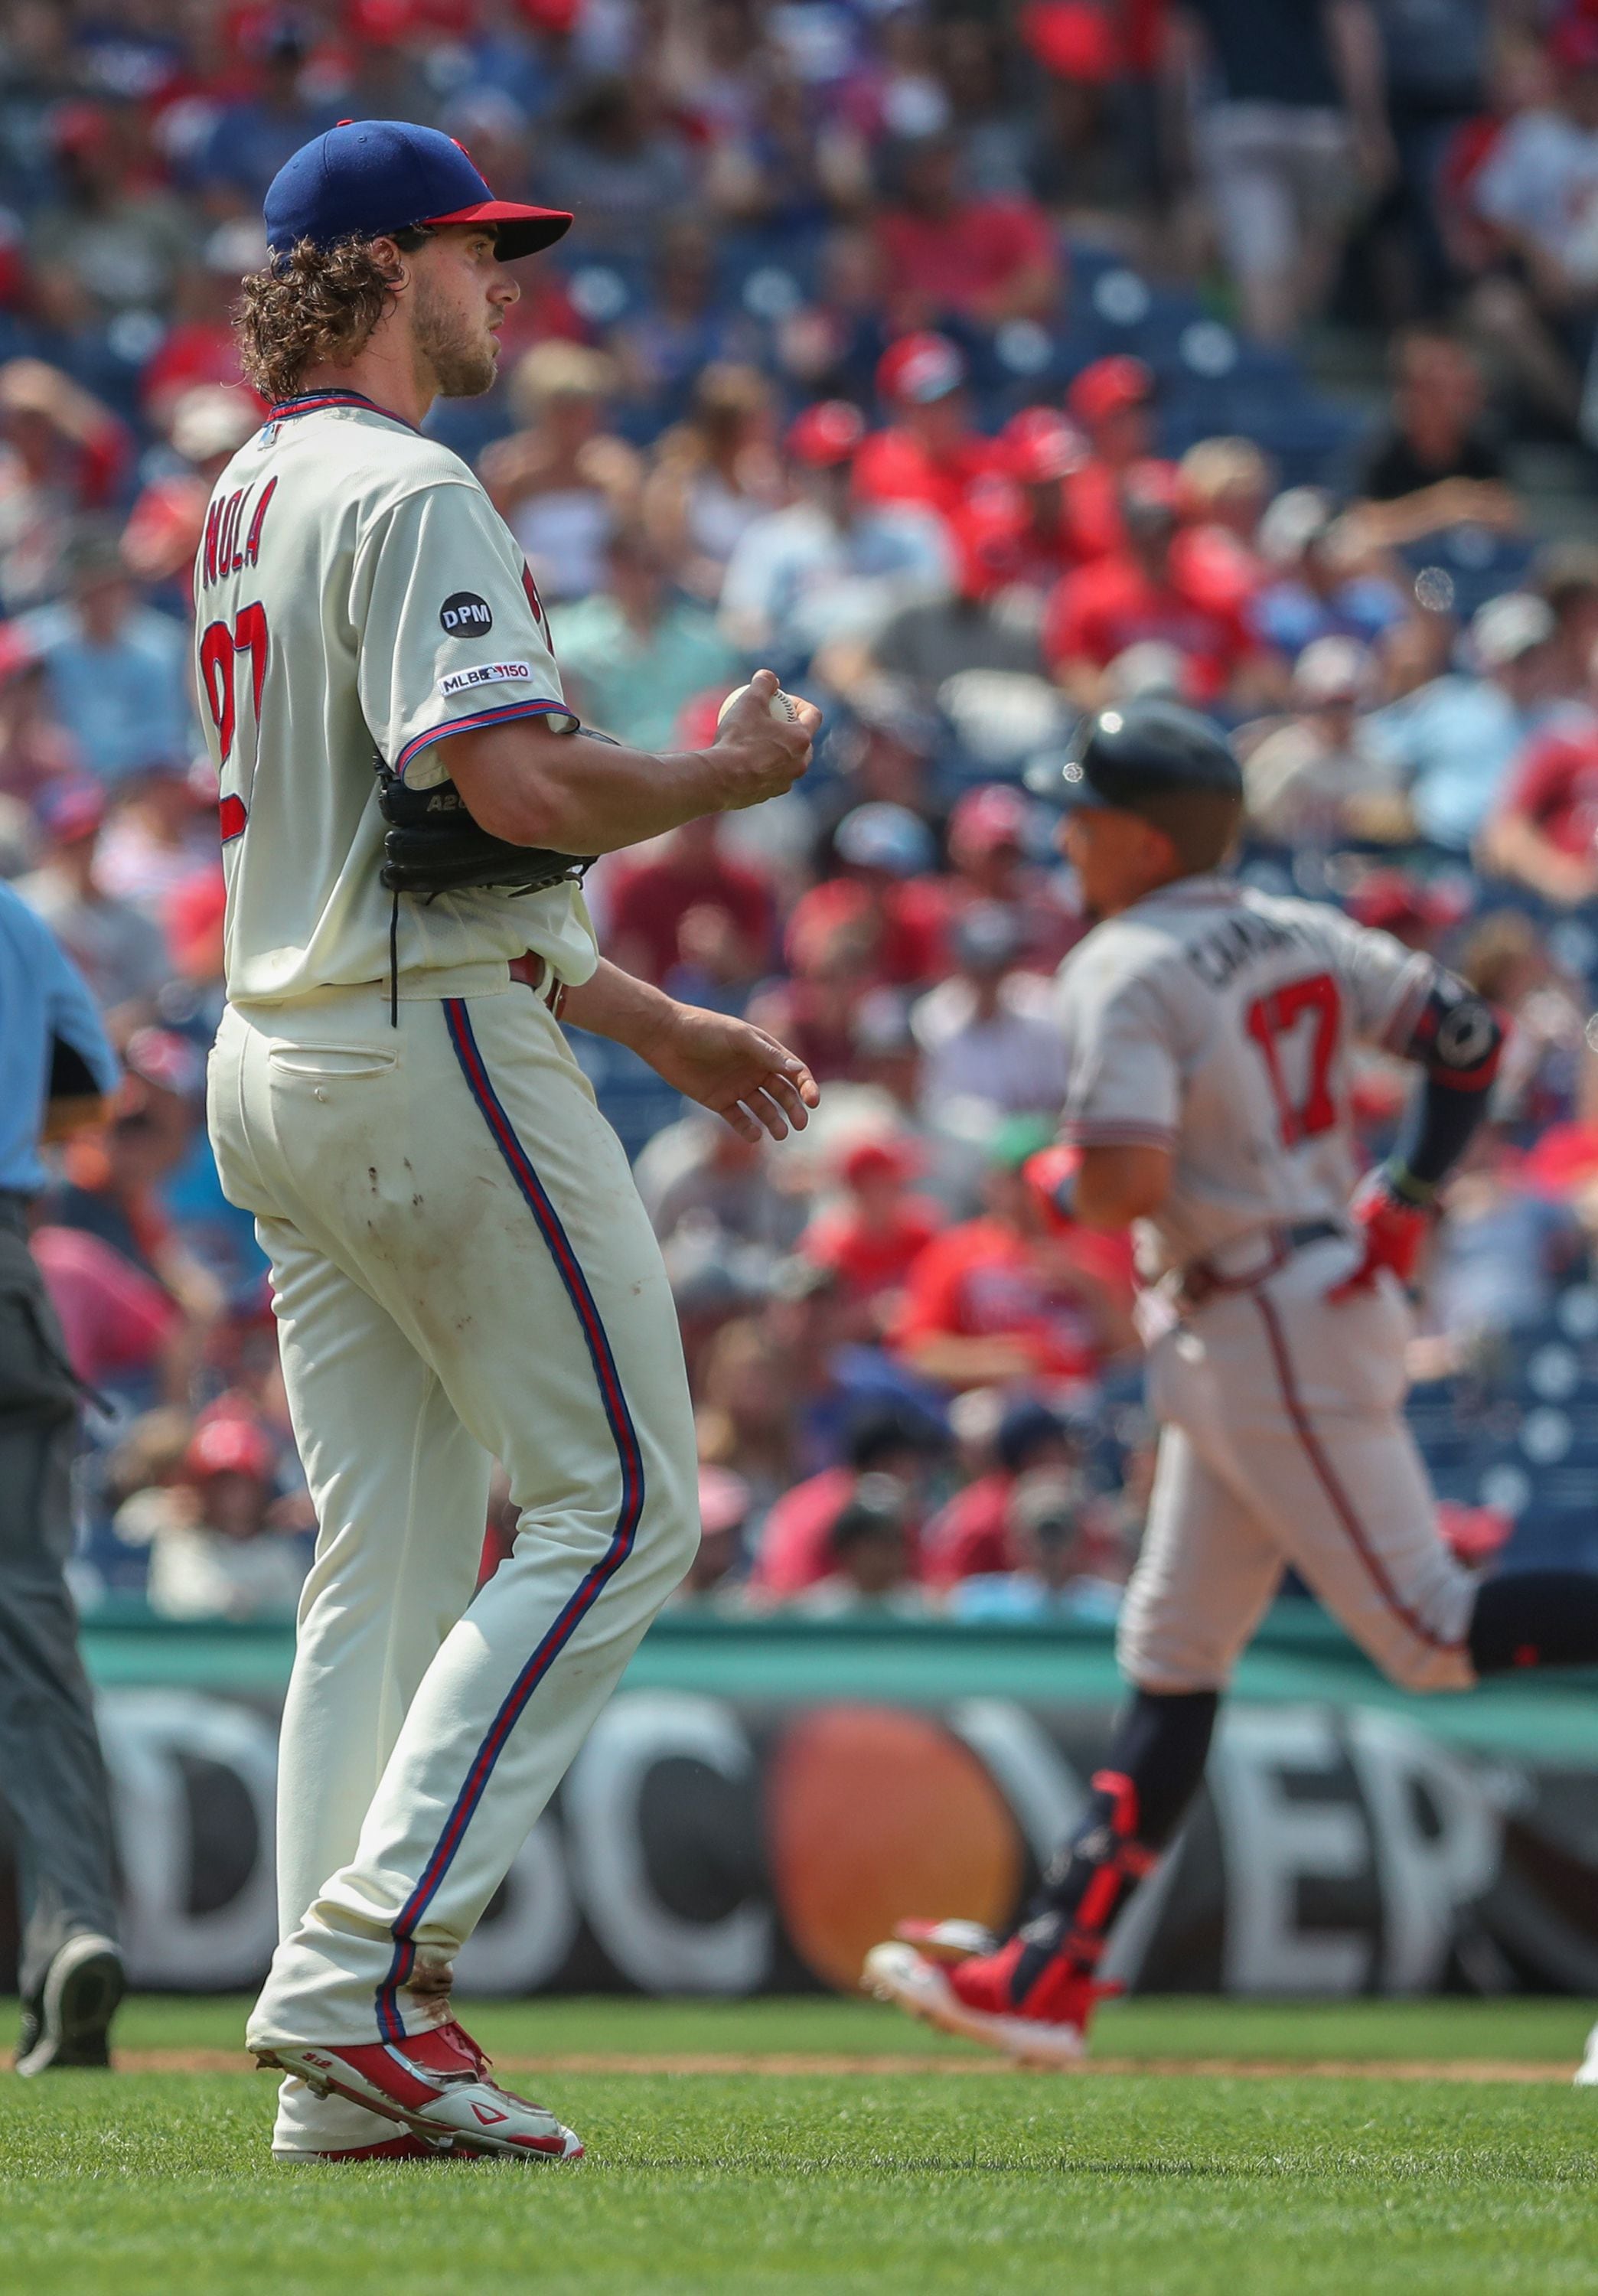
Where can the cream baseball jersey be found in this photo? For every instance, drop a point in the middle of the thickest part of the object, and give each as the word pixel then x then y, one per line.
pixel 1218 1023
pixel 356 593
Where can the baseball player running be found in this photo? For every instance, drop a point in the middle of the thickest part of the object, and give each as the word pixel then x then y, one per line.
pixel 461 1266
pixel 1211 1033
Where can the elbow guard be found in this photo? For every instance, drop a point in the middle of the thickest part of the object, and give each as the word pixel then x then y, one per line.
pixel 1459 1041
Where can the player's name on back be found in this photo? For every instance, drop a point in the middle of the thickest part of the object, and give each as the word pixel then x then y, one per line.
pixel 1243 936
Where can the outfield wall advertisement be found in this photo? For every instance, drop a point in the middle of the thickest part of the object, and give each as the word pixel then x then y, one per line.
pixel 749 1819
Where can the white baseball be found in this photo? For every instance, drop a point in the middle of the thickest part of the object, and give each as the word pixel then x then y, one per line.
pixel 782 706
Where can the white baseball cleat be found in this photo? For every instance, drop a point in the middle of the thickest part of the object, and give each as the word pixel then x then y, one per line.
pixel 900 1974
pixel 437 2085
pixel 405 2146
pixel 948 1941
pixel 1587 2075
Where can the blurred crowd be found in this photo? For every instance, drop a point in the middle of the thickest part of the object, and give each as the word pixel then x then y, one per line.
pixel 948 359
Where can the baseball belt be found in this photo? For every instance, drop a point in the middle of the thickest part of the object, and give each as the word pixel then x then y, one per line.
pixel 533 973
pixel 1201 1279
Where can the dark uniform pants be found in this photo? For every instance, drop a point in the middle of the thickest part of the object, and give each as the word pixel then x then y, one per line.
pixel 51 1772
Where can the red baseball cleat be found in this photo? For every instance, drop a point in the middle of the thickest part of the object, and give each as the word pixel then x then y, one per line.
pixel 976 1998
pixel 435 2084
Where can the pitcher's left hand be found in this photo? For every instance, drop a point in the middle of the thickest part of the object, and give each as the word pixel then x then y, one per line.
pixel 737 1072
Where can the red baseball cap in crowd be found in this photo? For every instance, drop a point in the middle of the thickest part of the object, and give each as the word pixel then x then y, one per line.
pixel 1072 40
pixel 826 435
pixel 1039 445
pixel 920 368
pixel 987 820
pixel 888 1156
pixel 1108 386
pixel 70 809
pixel 837 905
pixel 229 1444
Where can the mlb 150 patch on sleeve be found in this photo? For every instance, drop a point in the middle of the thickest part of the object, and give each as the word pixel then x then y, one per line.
pixel 486 673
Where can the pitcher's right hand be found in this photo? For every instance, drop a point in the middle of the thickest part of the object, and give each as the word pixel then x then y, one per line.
pixel 763 756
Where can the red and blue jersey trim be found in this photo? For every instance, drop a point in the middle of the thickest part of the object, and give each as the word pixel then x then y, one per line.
pixel 315 402
pixel 505 712
pixel 629 1457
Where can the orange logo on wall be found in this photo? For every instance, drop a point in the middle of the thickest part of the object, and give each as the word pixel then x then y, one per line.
pixel 874 1814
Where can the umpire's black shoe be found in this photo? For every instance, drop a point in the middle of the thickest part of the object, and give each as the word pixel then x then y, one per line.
pixel 67 2021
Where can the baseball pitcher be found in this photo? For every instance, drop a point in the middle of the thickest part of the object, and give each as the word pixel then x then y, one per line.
pixel 461 1266
pixel 1210 1034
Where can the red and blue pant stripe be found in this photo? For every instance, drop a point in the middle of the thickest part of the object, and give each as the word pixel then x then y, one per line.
pixel 583 1595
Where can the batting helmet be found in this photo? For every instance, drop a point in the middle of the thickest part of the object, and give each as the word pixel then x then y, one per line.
pixel 1167 764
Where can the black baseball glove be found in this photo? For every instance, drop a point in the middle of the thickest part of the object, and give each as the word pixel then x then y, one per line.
pixel 432 845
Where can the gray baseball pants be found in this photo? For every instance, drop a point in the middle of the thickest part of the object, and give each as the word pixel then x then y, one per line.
pixel 51 1772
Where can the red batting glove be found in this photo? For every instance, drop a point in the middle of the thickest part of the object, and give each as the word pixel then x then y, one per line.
pixel 1049 1176
pixel 1394 1232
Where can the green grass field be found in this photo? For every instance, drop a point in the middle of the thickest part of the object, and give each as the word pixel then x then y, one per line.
pixel 890 2175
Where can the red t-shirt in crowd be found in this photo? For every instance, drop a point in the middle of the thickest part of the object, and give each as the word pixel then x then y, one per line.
pixel 1212 567
pixel 958 262
pixel 969 1538
pixel 871 1260
pixel 1092 504
pixel 1554 786
pixel 1097 612
pixel 893 465
pixel 909 920
pixel 983 1281
pixel 195 351
pixel 1565 1160
pixel 994 523
pixel 649 903
pixel 114 1317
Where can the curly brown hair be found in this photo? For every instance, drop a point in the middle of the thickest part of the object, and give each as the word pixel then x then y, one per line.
pixel 313 305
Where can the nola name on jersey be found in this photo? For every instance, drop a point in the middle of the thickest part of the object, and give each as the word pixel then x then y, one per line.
pixel 233 531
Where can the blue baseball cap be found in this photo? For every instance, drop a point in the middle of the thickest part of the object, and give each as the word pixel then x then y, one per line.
pixel 366 177
pixel 886 837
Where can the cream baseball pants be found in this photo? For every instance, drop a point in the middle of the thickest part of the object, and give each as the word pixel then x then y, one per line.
pixel 461 1269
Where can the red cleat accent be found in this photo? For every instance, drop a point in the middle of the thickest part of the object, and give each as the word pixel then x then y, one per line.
pixel 975 1999
pixel 436 2083
pixel 1062 1993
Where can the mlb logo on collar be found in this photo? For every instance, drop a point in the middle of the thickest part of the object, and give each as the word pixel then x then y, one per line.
pixel 465 615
